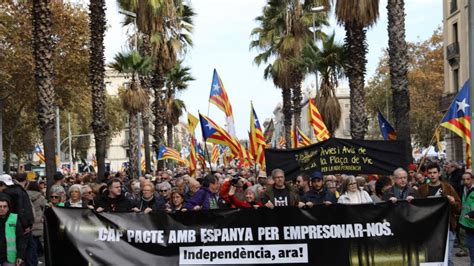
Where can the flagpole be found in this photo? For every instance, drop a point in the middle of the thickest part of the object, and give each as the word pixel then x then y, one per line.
pixel 428 149
pixel 471 71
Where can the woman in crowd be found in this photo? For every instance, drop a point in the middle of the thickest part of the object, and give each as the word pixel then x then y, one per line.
pixel 352 193
pixel 133 191
pixel 56 196
pixel 75 197
pixel 177 202
pixel 148 201
pixel 39 204
pixel 252 199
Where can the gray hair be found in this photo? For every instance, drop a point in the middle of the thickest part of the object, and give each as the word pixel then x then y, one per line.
pixel 164 185
pixel 277 170
pixel 398 170
pixel 74 187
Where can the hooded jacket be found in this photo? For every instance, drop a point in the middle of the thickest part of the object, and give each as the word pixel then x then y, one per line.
pixel 39 205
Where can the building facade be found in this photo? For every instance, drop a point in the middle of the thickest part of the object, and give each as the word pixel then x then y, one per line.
pixel 456 65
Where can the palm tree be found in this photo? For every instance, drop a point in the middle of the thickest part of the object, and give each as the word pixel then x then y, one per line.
pixel 168 24
pixel 96 76
pixel 176 81
pixel 398 61
pixel 282 35
pixel 356 16
pixel 329 62
pixel 134 98
pixel 42 51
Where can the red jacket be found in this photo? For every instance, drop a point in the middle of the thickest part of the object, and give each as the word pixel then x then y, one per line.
pixel 233 200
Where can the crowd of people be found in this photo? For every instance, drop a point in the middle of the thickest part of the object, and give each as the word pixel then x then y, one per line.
pixel 23 201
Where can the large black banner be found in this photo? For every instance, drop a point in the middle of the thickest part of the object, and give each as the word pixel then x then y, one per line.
pixel 370 234
pixel 339 156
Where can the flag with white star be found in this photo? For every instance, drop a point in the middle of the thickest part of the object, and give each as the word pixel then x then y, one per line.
pixel 219 97
pixel 212 133
pixel 458 116
pixel 386 129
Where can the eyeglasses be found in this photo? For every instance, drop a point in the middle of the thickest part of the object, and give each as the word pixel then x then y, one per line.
pixel 55 197
pixel 352 184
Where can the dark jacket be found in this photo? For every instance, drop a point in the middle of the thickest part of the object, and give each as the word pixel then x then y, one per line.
pixel 203 197
pixel 455 207
pixel 455 180
pixel 20 240
pixel 21 204
pixel 400 194
pixel 319 197
pixel 83 203
pixel 155 204
pixel 39 205
pixel 119 204
pixel 269 196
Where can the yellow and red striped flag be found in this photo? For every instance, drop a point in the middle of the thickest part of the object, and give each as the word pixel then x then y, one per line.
pixel 39 153
pixel 219 97
pixel 192 157
pixel 215 154
pixel 294 139
pixel 257 140
pixel 281 142
pixel 319 128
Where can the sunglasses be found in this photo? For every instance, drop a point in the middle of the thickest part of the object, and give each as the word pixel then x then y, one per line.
pixel 164 190
pixel 55 197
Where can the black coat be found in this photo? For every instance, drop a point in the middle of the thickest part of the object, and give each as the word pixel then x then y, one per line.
pixel 20 241
pixel 156 204
pixel 319 197
pixel 119 204
pixel 21 204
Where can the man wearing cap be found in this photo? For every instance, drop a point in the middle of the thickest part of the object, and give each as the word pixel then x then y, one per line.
pixel 279 194
pixel 12 241
pixel 318 194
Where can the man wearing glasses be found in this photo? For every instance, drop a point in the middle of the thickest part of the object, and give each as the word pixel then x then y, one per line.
pixel 436 188
pixel 280 194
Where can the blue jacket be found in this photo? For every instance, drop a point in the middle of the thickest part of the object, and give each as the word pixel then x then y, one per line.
pixel 319 197
pixel 203 197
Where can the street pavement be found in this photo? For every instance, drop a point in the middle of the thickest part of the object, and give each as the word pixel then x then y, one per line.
pixel 460 260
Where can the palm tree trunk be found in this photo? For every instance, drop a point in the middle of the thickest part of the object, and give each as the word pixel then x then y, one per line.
pixel 8 154
pixel 96 76
pixel 397 48
pixel 133 146
pixel 297 98
pixel 146 84
pixel 42 51
pixel 356 47
pixel 286 93
pixel 158 111
pixel 169 134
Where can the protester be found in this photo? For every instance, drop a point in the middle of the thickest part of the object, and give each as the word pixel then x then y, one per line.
pixel 302 184
pixel 384 183
pixel 39 205
pixel 280 194
pixel 466 219
pixel 132 192
pixel 401 190
pixel 56 196
pixel 352 193
pixel 318 194
pixel 164 189
pixel 436 188
pixel 206 197
pixel 87 195
pixel 454 175
pixel 177 202
pixel 112 200
pixel 75 197
pixel 148 202
pixel 251 194
pixel 12 239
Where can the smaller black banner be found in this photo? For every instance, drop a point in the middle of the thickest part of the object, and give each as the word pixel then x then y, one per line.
pixel 339 156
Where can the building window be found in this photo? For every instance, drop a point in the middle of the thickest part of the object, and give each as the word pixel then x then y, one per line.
pixel 453 6
pixel 456 79
pixel 455 32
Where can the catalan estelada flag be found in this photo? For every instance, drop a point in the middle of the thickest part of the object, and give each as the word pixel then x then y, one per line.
pixel 386 129
pixel 316 120
pixel 39 153
pixel 257 140
pixel 211 132
pixel 303 139
pixel 169 153
pixel 219 97
pixel 295 139
pixel 200 154
pixel 458 116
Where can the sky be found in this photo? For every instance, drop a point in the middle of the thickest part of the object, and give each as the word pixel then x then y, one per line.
pixel 221 40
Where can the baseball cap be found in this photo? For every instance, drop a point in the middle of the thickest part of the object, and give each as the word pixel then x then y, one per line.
pixel 262 174
pixel 6 179
pixel 316 175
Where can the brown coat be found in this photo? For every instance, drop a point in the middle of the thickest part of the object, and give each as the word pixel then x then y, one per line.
pixel 448 190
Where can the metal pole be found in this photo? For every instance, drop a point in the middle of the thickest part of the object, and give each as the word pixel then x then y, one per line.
pixel 139 145
pixel 58 135
pixel 471 68
pixel 70 141
pixel 1 139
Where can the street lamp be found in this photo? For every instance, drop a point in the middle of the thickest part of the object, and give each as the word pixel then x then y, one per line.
pixel 315 10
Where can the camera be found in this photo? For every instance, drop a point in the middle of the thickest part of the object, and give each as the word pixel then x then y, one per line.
pixel 234 180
